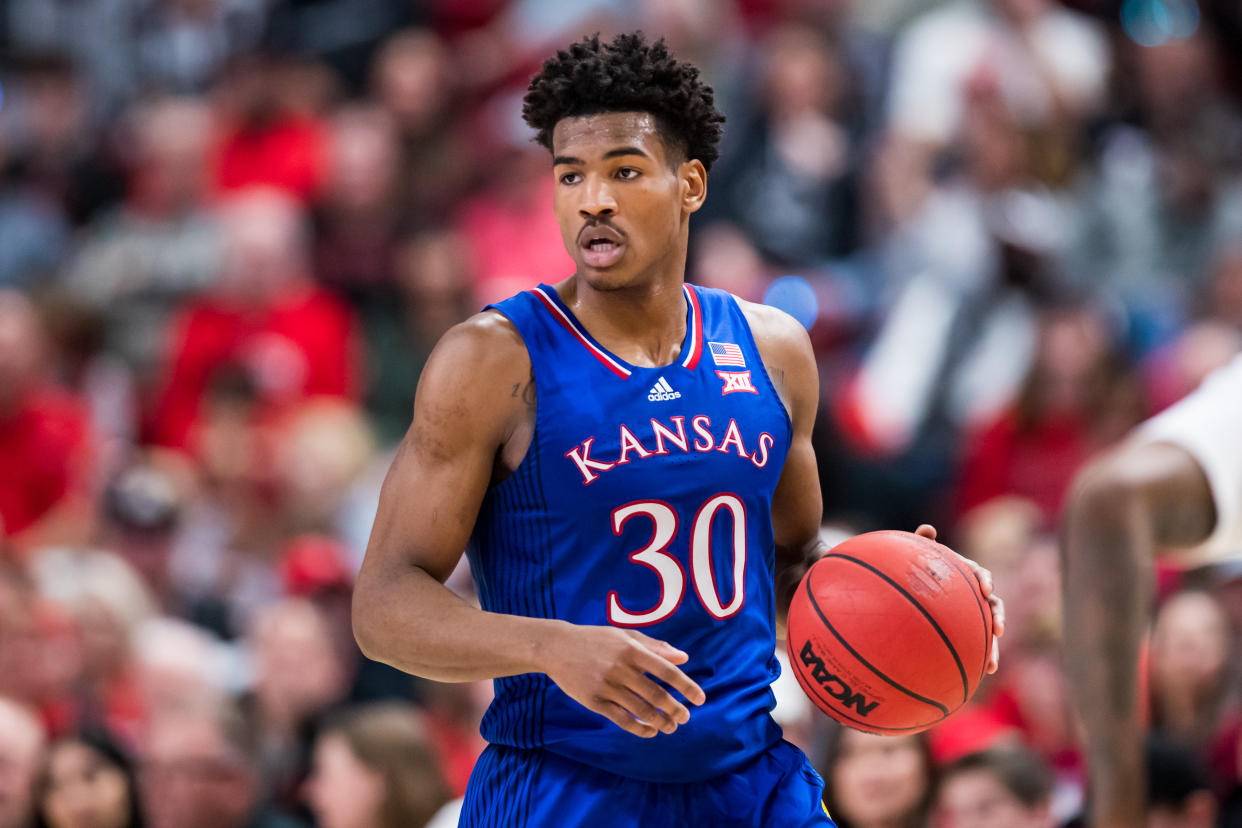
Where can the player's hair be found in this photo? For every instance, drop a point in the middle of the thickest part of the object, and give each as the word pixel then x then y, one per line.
pixel 627 75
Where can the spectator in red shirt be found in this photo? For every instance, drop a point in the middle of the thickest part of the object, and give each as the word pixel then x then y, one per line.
pixel 44 437
pixel 1079 397
pixel 266 140
pixel 264 320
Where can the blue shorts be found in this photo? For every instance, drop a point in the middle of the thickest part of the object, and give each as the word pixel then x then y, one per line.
pixel 517 788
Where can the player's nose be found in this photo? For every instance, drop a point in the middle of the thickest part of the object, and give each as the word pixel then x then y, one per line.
pixel 597 198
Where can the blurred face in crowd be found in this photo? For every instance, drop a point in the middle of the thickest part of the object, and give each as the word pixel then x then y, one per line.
pixel 21 641
pixel 319 455
pixel 172 148
pixel 878 779
pixel 1072 347
pixel 411 79
pixel 55 110
pixel 84 789
pixel 684 23
pixel 431 273
pixel 977 799
pixel 365 160
pixel 1039 689
pixel 103 638
pixel 622 201
pixel 21 346
pixel 342 791
pixel 802 74
pixel 298 669
pixel 172 662
pixel 192 778
pixel 264 245
pixel 1190 643
pixel 21 754
pixel 1034 579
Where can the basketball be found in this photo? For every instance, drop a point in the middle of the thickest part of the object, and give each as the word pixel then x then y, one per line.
pixel 889 633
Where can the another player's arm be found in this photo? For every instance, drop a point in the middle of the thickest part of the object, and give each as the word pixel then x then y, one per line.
pixel 1122 510
pixel 465 413
pixel 797 506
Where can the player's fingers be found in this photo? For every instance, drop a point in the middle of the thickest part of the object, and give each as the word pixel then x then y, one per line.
pixel 984 577
pixel 662 648
pixel 994 658
pixel 926 530
pixel 623 718
pixel 998 614
pixel 670 675
pixel 659 699
pixel 651 709
pixel 645 699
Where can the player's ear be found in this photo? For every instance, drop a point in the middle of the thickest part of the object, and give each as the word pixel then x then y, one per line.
pixel 693 176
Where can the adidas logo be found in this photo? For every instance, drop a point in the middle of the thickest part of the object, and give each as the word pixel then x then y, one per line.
pixel 662 391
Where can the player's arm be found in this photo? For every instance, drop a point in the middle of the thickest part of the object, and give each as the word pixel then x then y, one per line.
pixel 797 505
pixel 470 401
pixel 1122 510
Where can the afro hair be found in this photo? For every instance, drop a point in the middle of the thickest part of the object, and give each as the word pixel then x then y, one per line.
pixel 627 75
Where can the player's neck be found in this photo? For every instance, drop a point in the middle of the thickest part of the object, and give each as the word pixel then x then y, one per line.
pixel 643 325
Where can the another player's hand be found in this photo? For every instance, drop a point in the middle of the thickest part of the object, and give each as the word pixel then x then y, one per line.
pixel 608 670
pixel 985 586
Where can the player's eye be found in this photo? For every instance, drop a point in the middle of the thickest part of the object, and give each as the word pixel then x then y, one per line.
pixel 628 173
pixel 571 178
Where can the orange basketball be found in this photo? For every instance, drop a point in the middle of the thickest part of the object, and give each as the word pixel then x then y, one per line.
pixel 889 633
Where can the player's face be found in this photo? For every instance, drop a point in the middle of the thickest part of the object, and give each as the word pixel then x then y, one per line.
pixel 622 202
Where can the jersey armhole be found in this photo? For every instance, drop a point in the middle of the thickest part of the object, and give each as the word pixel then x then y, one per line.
pixel 524 465
pixel 763 368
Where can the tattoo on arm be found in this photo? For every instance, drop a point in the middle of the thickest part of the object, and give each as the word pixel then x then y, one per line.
pixel 525 391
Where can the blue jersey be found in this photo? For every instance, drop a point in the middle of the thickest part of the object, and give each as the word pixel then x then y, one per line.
pixel 644 501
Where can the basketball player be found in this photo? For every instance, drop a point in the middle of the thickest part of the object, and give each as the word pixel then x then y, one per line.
pixel 1175 483
pixel 629 458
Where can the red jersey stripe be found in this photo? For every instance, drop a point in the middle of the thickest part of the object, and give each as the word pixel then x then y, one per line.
pixel 696 329
pixel 568 324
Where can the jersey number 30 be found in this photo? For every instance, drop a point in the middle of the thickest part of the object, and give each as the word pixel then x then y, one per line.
pixel 655 556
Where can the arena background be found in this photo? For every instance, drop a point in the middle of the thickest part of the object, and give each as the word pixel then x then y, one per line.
pixel 231 231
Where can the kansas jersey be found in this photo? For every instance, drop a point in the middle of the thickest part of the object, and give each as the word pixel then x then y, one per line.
pixel 644 501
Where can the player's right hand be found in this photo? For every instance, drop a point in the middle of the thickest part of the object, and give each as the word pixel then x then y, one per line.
pixel 608 670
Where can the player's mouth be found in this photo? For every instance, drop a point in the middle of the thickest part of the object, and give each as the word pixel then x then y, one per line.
pixel 601 246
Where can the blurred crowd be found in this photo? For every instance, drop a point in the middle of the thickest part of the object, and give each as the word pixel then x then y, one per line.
pixel 232 230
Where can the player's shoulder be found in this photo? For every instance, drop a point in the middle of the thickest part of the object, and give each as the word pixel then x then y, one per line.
pixel 767 317
pixel 477 359
pixel 785 349
pixel 488 339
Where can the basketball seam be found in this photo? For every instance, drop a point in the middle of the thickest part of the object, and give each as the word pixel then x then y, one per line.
pixel 812 691
pixel 987 633
pixel 815 604
pixel 961 668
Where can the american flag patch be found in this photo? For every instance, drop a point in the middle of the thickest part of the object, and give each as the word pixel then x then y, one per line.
pixel 726 353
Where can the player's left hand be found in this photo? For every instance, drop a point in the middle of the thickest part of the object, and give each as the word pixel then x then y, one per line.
pixel 985 586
